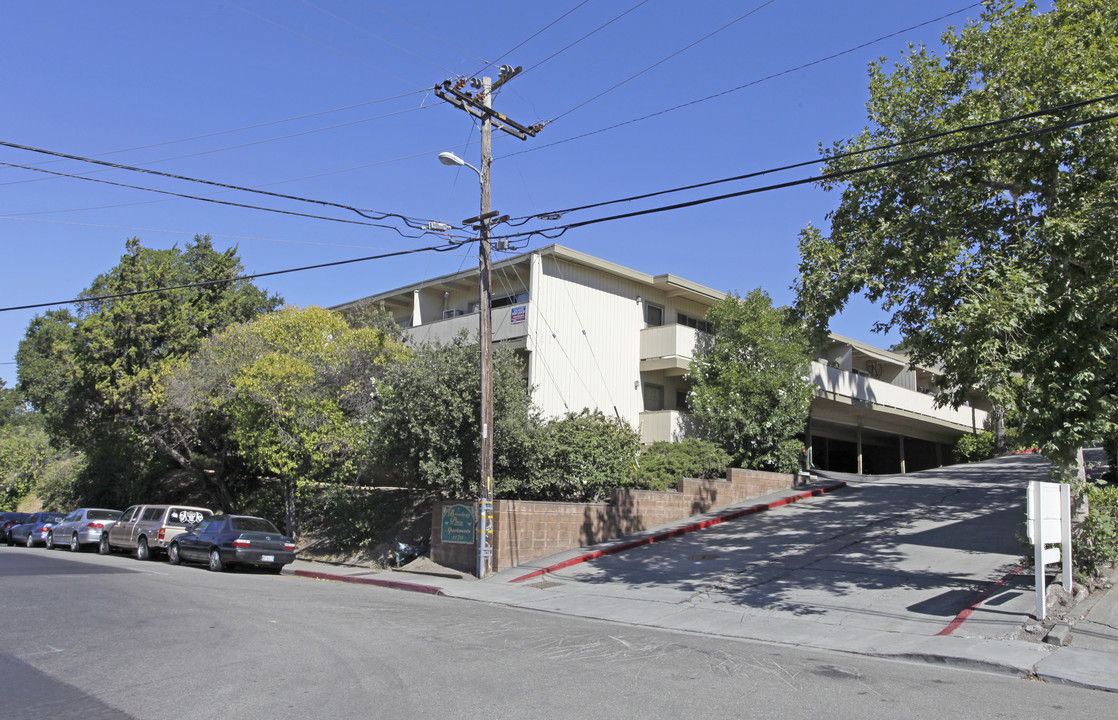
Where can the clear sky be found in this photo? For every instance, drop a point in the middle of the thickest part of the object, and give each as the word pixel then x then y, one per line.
pixel 331 100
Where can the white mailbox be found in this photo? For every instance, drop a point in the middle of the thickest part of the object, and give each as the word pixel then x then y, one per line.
pixel 1049 523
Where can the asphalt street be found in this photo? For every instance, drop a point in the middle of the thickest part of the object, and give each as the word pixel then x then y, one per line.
pixel 112 637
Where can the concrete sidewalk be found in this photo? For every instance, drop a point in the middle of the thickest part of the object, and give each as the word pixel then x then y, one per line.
pixel 851 569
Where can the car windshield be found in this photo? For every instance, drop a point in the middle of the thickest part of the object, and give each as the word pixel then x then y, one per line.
pixel 102 515
pixel 253 524
pixel 187 516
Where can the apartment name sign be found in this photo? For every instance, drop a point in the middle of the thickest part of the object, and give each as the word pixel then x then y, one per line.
pixel 458 524
pixel 519 314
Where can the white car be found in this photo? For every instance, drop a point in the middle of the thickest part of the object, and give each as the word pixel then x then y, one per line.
pixel 81 527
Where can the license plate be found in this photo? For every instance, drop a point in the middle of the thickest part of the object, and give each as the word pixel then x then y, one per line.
pixel 267 558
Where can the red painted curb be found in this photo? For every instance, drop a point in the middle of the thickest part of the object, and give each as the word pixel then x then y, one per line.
pixel 979 599
pixel 394 584
pixel 676 532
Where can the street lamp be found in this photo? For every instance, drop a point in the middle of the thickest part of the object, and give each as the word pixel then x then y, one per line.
pixel 449 158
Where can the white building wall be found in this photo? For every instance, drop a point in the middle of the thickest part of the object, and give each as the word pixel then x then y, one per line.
pixel 585 340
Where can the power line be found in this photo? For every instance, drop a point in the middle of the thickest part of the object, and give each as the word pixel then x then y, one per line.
pixel 263 124
pixel 190 232
pixel 239 278
pixel 411 222
pixel 219 202
pixel 420 29
pixel 592 32
pixel 239 146
pixel 320 44
pixel 524 42
pixel 562 229
pixel 830 158
pixel 664 60
pixel 734 89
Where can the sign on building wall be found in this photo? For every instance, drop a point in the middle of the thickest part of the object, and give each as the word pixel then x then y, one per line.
pixel 458 524
pixel 519 314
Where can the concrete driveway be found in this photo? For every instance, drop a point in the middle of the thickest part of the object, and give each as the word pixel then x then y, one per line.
pixel 903 553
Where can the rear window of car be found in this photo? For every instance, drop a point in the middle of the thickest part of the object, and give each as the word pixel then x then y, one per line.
pixel 51 517
pixel 102 515
pixel 186 516
pixel 251 524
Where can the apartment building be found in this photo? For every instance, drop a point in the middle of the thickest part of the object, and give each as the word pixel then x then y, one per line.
pixel 594 334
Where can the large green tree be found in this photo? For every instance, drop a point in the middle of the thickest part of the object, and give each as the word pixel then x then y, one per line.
pixel 90 373
pixel 289 393
pixel 750 388
pixel 999 261
pixel 427 412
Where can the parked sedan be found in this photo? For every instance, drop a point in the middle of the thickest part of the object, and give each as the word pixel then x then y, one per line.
pixel 34 530
pixel 224 541
pixel 9 520
pixel 81 527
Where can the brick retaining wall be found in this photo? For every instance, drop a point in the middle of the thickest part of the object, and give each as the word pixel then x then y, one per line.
pixel 526 530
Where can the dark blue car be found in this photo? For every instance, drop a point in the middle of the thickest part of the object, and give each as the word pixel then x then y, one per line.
pixel 33 531
pixel 225 541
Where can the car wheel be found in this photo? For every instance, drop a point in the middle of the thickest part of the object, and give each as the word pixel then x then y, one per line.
pixel 75 546
pixel 173 554
pixel 215 561
pixel 103 547
pixel 50 541
pixel 30 540
pixel 142 550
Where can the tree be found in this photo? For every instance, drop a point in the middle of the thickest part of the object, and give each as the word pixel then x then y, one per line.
pixel 290 392
pixel 91 373
pixel 750 388
pixel 1001 260
pixel 427 413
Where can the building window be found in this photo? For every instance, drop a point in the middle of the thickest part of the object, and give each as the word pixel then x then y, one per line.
pixel 701 325
pixel 681 400
pixel 653 315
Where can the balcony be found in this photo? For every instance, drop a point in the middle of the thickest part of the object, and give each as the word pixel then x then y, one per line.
pixel 503 326
pixel 664 425
pixel 669 348
pixel 879 395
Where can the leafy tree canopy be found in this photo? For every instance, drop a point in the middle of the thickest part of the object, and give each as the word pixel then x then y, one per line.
pixel 750 388
pixel 1001 260
pixel 91 373
pixel 427 412
pixel 290 392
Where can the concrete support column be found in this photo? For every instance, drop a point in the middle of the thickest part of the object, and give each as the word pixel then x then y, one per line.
pixel 901 442
pixel 416 310
pixel 860 450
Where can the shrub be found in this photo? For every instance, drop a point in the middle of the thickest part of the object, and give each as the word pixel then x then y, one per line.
pixel 580 458
pixel 1096 538
pixel 973 448
pixel 664 463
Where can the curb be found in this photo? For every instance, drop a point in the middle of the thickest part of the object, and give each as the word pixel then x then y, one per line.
pixel 676 532
pixel 393 584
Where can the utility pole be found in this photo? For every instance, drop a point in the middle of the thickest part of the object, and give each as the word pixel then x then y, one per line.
pixel 480 106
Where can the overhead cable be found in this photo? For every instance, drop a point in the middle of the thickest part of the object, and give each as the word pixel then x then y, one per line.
pixel 827 158
pixel 219 202
pixel 411 222
pixel 733 89
pixel 557 231
pixel 239 278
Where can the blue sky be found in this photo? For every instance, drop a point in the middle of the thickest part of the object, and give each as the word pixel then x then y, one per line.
pixel 331 100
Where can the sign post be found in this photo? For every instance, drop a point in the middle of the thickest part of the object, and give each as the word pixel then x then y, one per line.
pixel 1049 523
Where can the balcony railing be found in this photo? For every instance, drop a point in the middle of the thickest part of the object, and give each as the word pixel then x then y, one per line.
pixel 667 347
pixel 872 392
pixel 664 425
pixel 503 326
